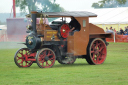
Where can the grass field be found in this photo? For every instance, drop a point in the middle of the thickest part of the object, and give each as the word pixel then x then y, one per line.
pixel 114 71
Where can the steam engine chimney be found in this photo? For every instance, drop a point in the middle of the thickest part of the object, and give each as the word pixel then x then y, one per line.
pixel 33 16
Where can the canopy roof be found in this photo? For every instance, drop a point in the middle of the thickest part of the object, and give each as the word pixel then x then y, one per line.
pixel 72 13
pixel 64 14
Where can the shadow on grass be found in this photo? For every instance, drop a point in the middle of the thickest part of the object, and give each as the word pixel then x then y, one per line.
pixel 70 65
pixel 35 66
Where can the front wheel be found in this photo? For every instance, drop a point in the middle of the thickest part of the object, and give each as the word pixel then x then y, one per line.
pixel 20 58
pixel 45 58
pixel 96 51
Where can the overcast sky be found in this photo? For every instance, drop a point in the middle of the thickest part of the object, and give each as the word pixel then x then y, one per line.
pixel 69 5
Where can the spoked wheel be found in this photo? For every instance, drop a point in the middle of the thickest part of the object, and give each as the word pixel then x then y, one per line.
pixel 97 51
pixel 63 31
pixel 20 56
pixel 45 58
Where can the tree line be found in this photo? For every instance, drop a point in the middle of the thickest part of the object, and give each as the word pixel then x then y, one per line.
pixel 37 5
pixel 110 4
pixel 52 6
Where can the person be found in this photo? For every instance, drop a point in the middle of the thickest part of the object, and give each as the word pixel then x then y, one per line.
pixel 111 28
pixel 127 30
pixel 121 31
pixel 74 24
pixel 106 28
pixel 125 33
pixel 114 30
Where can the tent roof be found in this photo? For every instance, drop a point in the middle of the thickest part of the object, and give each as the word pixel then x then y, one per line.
pixel 3 27
pixel 110 15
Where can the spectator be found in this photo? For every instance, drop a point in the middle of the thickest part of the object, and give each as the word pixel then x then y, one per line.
pixel 125 33
pixel 127 30
pixel 114 30
pixel 109 31
pixel 121 31
pixel 110 28
pixel 106 28
pixel 117 32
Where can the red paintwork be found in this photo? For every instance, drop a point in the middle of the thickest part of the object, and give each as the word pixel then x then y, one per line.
pixel 98 52
pixel 46 63
pixel 25 59
pixel 66 28
pixel 118 38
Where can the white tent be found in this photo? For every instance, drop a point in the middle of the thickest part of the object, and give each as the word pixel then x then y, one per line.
pixel 110 16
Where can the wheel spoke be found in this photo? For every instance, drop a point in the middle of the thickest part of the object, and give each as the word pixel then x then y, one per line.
pixel 49 53
pixel 26 63
pixel 101 49
pixel 92 51
pixel 19 58
pixel 51 59
pixel 20 62
pixel 96 44
pixel 47 63
pixel 93 56
pixel 97 60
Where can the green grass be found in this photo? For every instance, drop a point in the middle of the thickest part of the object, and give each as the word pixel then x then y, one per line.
pixel 114 71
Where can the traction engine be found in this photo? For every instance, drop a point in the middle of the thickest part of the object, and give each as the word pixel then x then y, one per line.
pixel 47 43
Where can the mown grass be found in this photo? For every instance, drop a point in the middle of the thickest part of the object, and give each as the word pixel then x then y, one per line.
pixel 114 71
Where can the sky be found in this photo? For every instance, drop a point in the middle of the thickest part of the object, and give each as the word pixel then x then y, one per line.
pixel 69 5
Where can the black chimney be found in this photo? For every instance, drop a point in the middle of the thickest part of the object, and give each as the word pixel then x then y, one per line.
pixel 33 16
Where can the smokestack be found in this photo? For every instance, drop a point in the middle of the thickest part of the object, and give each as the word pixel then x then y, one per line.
pixel 33 16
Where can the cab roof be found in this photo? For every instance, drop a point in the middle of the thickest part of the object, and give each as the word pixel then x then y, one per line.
pixel 73 14
pixel 65 14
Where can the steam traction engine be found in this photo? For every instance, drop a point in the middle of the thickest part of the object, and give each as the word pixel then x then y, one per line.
pixel 47 43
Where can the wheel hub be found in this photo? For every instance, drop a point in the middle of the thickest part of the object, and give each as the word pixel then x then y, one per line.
pixel 23 58
pixel 46 58
pixel 96 51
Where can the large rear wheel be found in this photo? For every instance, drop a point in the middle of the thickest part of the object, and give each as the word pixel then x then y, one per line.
pixel 96 51
pixel 45 58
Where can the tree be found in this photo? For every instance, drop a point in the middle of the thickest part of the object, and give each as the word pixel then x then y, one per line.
pixel 110 4
pixel 34 5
